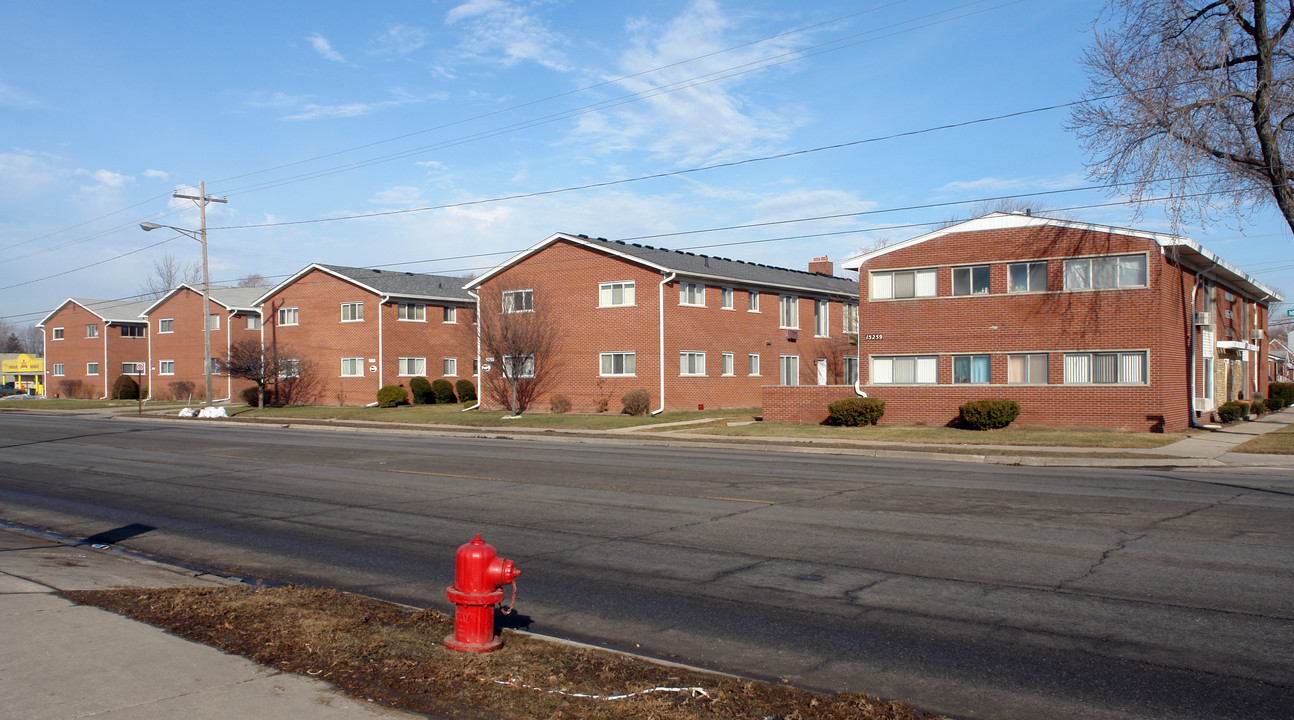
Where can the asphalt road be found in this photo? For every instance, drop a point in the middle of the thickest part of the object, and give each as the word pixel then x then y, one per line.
pixel 974 590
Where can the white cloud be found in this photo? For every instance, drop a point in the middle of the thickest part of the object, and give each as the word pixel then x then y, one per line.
pixel 400 196
pixel 313 111
pixel 400 40
pixel 106 178
pixel 14 97
pixel 506 33
pixel 472 8
pixel 322 46
pixel 156 174
pixel 23 173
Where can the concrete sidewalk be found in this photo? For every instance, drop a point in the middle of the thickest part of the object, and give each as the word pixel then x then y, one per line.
pixel 62 660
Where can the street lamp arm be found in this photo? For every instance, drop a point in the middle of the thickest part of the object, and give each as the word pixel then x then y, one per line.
pixel 149 226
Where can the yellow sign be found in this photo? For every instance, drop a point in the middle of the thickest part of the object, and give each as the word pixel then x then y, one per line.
pixel 23 365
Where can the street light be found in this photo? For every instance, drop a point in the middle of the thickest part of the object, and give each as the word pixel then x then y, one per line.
pixel 201 236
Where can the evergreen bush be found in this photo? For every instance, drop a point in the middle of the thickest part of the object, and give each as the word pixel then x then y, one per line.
pixel 1282 390
pixel 989 414
pixel 392 395
pixel 420 389
pixel 252 396
pixel 1229 412
pixel 853 412
pixel 444 390
pixel 125 388
pixel 466 390
pixel 1274 403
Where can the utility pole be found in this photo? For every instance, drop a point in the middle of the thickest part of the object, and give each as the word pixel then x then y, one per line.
pixel 202 200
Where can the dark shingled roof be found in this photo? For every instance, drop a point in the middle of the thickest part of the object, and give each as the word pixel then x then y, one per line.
pixel 738 271
pixel 405 284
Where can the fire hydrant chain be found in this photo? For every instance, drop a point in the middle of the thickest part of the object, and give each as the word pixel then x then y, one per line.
pixel 512 604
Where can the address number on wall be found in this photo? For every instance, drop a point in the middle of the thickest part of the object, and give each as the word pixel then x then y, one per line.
pixel 876 336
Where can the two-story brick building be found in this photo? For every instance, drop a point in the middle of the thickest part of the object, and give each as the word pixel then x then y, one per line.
pixel 692 329
pixel 1081 324
pixel 175 345
pixel 89 343
pixel 353 330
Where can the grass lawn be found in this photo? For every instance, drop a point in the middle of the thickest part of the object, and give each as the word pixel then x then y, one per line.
pixel 1276 442
pixel 453 415
pixel 1029 436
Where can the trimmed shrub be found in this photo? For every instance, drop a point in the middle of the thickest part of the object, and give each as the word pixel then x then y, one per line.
pixel 444 390
pixel 1258 405
pixel 989 414
pixel 392 395
pixel 125 388
pixel 420 389
pixel 559 403
pixel 1273 404
pixel 466 390
pixel 1282 390
pixel 636 402
pixel 182 390
pixel 853 412
pixel 1229 412
pixel 252 396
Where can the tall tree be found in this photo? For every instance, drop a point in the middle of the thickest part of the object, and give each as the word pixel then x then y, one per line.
pixel 169 271
pixel 517 336
pixel 1193 98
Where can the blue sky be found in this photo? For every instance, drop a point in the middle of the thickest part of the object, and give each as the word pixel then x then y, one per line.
pixel 306 116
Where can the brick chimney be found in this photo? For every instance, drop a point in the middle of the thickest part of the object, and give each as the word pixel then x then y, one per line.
pixel 822 265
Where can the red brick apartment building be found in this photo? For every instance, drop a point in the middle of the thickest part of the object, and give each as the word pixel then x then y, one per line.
pixel 1081 324
pixel 354 329
pixel 175 344
pixel 691 329
pixel 89 343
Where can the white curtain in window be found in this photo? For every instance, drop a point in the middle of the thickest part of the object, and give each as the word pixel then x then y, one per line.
pixel 883 286
pixel 1132 270
pixel 1077 274
pixel 925 283
pixel 1017 368
pixel 927 370
pixel 882 370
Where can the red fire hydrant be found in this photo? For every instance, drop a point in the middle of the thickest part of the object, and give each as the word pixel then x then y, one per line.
pixel 479 577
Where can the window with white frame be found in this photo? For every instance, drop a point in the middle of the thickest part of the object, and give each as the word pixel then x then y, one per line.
pixel 616 294
pixel 215 366
pixel 166 367
pixel 1027 369
pixel 56 369
pixel 131 368
pixel 416 312
pixel 691 363
pixel 726 297
pixel 849 369
pixel 522 365
pixel 905 370
pixel 288 316
pixel 970 280
pixel 727 359
pixel 1106 368
pixel 1027 277
pixel 1100 273
pixel 166 325
pixel 753 363
pixel 92 368
pixel 412 366
pixel 213 321
pixel 352 367
pixel 618 363
pixel 92 331
pixel 352 312
pixel 132 331
pixel 56 333
pixel 518 301
pixel 449 367
pixel 789 369
pixel 821 327
pixel 449 314
pixel 289 367
pixel 690 293
pixel 850 311
pixel 789 311
pixel 253 322
pixel 971 369
pixel 901 284
pixel 752 301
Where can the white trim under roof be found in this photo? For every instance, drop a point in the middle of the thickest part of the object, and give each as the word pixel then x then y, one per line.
pixel 381 294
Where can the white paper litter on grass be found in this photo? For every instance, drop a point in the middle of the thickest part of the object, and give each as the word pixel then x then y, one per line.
pixel 187 413
pixel 693 691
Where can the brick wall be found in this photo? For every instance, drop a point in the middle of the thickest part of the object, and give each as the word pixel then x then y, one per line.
pixel 183 347
pixel 75 351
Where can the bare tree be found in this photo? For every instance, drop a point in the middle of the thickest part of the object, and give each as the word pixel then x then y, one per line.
pixel 518 339
pixel 254 280
pixel 277 371
pixel 1006 205
pixel 169 271
pixel 33 340
pixel 1192 98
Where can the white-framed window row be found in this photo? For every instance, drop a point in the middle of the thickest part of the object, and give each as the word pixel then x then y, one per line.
pixel 904 284
pixel 56 369
pixel 1027 369
pixel 788 312
pixel 352 367
pixel 56 333
pixel 166 325
pixel 1106 368
pixel 518 301
pixel 752 361
pixel 133 368
pixel 904 369
pixel 412 367
pixel 411 312
pixel 727 364
pixel 1106 272
pixel 691 363
pixel 288 316
pixel 449 367
pixel 972 369
pixel 132 331
pixel 691 294
pixel 752 301
pixel 726 297
pixel 618 364
pixel 449 314
pixel 165 367
pixel 617 294
pixel 92 368
pixel 971 280
pixel 352 312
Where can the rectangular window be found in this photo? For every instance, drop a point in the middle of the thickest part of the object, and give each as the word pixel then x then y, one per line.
pixel 352 312
pixel 752 301
pixel 1107 368
pixel 849 368
pixel 132 331
pixel 1100 273
pixel 725 295
pixel 289 367
pixel 619 363
pixel 691 363
pixel 820 322
pixel 412 366
pixel 690 293
pixel 905 370
pixel 789 311
pixel 288 316
pixel 166 367
pixel 213 322
pixel 970 280
pixel 56 369
pixel 902 284
pixel 1027 277
pixel 522 365
pixel 518 301
pixel 416 312
pixel 215 366
pixel 1026 369
pixel 449 315
pixel 92 331
pixel 789 369
pixel 851 318
pixel 131 368
pixel 616 294
pixel 92 368
pixel 253 322
pixel 352 367
pixel 57 334
pixel 450 367
pixel 166 325
pixel 727 364
pixel 971 369
pixel 753 360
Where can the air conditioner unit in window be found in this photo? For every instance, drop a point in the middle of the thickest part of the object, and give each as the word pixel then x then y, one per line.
pixel 1203 318
pixel 1202 405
